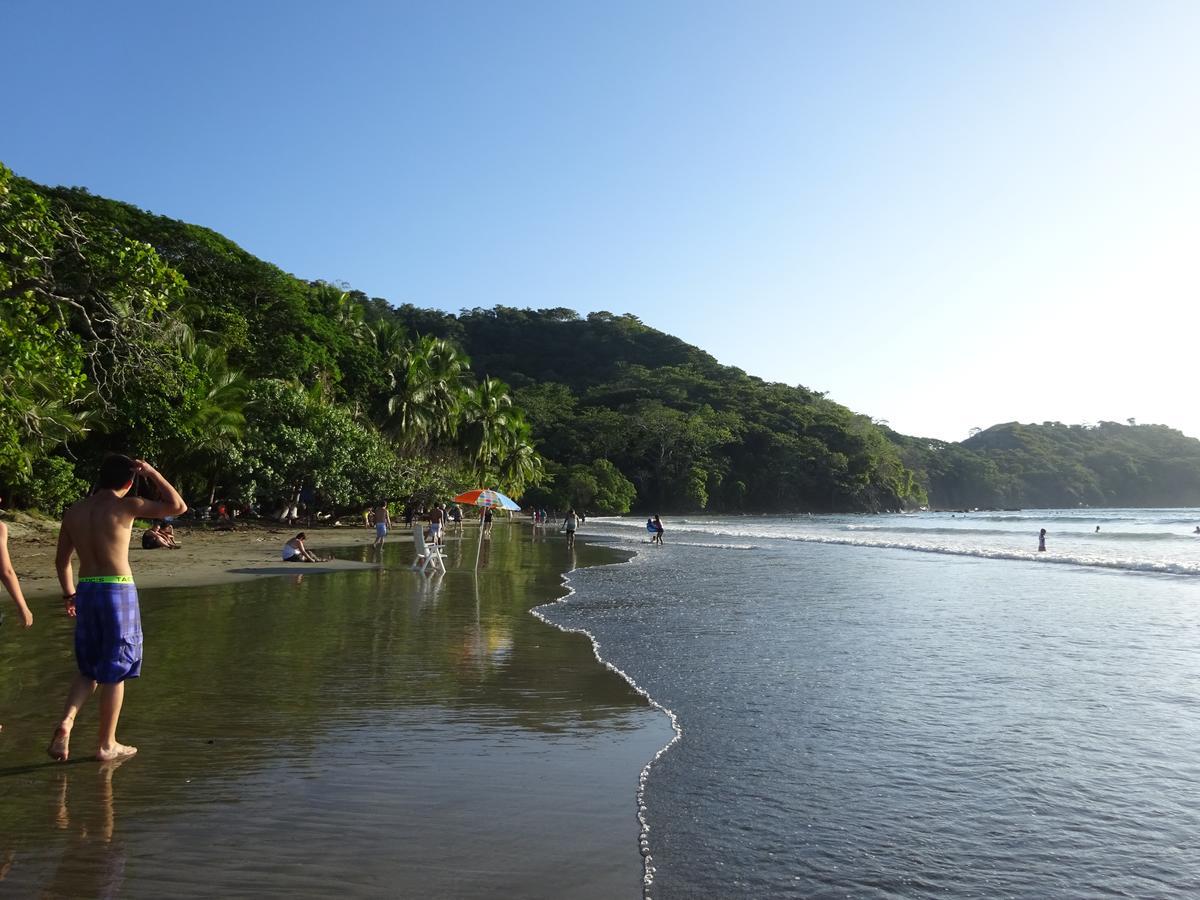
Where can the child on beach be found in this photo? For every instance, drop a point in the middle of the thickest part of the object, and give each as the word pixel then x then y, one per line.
pixel 108 625
pixel 295 551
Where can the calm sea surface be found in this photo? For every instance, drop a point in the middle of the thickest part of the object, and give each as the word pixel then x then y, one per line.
pixel 914 706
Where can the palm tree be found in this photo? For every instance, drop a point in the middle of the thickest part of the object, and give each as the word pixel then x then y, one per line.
pixel 519 465
pixel 486 414
pixel 426 393
pixel 219 420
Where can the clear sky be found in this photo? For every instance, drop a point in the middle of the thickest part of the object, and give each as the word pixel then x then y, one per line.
pixel 945 215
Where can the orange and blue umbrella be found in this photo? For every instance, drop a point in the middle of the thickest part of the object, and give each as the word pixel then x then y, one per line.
pixel 489 498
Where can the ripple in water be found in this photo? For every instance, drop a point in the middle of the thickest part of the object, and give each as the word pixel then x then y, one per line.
pixel 870 722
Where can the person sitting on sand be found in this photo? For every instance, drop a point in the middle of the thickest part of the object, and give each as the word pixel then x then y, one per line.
pixel 295 551
pixel 108 624
pixel 168 531
pixel 154 539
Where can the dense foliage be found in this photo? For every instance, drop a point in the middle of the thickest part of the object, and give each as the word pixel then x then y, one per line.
pixel 1057 465
pixel 121 329
pixel 688 432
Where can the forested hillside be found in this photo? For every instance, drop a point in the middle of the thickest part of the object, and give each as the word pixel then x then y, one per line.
pixel 127 330
pixel 1057 465
pixel 123 330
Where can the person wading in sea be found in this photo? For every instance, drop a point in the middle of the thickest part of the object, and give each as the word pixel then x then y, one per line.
pixel 108 625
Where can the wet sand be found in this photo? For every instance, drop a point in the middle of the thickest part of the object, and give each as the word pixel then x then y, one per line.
pixel 360 733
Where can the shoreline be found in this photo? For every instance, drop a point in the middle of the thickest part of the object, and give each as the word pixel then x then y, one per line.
pixel 648 868
pixel 414 707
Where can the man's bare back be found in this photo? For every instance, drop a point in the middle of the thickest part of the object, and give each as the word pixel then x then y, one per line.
pixel 98 527
pixel 108 636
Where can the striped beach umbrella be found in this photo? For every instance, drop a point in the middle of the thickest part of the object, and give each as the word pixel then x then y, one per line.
pixel 488 497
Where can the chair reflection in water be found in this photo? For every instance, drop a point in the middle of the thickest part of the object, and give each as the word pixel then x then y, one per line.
pixel 429 555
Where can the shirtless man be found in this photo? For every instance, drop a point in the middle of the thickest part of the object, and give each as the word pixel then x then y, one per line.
pixel 108 626
pixel 383 521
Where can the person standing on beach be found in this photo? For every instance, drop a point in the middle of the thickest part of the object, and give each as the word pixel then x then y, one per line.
pixel 658 530
pixel 108 624
pixel 383 521
pixel 570 523
pixel 437 518
pixel 8 577
pixel 1042 541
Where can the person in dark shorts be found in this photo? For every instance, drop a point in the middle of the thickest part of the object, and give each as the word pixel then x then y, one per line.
pixel 108 624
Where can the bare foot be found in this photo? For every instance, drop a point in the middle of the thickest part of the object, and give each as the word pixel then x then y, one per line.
pixel 116 751
pixel 60 744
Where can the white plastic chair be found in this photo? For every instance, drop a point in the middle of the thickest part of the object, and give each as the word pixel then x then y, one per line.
pixel 427 554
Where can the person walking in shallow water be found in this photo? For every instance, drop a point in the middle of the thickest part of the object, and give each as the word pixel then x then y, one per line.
pixel 108 624
pixel 383 521
pixel 570 523
pixel 658 531
pixel 1042 541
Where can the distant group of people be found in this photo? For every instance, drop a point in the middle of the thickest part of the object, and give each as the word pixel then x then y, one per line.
pixel 437 519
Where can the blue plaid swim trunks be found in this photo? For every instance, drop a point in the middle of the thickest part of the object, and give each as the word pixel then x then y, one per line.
pixel 108 629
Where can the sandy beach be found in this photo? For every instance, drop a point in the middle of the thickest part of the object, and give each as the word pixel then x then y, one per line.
pixel 206 556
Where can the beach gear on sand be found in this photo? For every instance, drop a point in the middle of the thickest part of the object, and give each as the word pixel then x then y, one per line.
pixel 108 628
pixel 428 554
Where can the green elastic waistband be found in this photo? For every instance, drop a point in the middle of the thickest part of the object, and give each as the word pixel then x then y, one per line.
pixel 107 579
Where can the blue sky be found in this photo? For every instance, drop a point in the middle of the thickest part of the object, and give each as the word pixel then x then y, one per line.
pixel 945 215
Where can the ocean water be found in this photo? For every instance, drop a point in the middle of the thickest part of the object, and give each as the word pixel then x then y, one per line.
pixel 913 705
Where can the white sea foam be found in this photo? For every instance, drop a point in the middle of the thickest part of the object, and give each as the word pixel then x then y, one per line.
pixel 648 869
pixel 1140 541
